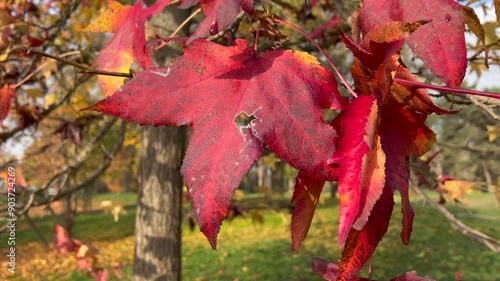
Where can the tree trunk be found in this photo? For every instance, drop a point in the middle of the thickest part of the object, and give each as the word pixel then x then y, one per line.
pixel 68 213
pixel 158 219
pixel 159 206
pixel 278 178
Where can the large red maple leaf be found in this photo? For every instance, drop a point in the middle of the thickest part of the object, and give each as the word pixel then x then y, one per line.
pixel 207 88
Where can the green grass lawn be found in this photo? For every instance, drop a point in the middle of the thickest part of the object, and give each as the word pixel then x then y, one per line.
pixel 248 251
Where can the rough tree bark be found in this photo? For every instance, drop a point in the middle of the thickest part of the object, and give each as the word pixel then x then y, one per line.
pixel 159 206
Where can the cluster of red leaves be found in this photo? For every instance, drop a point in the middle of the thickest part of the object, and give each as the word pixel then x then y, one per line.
pixel 366 148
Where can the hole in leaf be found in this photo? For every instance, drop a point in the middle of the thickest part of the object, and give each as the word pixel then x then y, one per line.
pixel 243 120
pixel 330 114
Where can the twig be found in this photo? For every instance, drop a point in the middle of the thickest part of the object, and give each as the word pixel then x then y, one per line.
pixel 447 89
pixel 83 68
pixel 490 242
pixel 185 22
pixel 41 67
pixel 341 77
pixel 36 230
pixel 232 26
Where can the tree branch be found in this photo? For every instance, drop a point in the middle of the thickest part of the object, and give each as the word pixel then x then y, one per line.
pixel 489 242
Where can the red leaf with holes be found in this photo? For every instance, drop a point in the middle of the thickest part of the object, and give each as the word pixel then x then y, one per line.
pixel 6 94
pixel 440 44
pixel 207 88
pixel 218 14
pixel 361 161
pixel 361 244
pixel 306 196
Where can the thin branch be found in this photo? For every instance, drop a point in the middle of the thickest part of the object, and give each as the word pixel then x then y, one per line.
pixel 447 89
pixel 41 67
pixel 185 22
pixel 489 242
pixel 234 24
pixel 472 149
pixel 486 47
pixel 83 68
pixel 487 108
pixel 344 81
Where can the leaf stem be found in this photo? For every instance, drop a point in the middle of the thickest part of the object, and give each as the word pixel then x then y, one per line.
pixel 349 88
pixel 41 67
pixel 256 40
pixel 84 69
pixel 185 22
pixel 448 89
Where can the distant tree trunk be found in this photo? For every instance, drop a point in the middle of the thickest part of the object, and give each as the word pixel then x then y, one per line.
pixel 278 178
pixel 487 177
pixel 68 212
pixel 159 206
pixel 128 176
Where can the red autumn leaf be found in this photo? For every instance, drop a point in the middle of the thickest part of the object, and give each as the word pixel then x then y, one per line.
pixel 102 275
pixel 207 88
pixel 330 270
pixel 377 61
pixel 69 131
pixel 64 244
pixel 381 42
pixel 361 161
pixel 375 12
pixel 6 94
pixel 128 42
pixel 72 130
pixel 411 276
pixel 218 14
pixel 306 196
pixel 446 29
pixel 361 244
pixel 440 44
pixel 403 135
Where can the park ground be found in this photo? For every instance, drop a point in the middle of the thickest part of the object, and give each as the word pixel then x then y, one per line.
pixel 253 249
